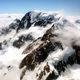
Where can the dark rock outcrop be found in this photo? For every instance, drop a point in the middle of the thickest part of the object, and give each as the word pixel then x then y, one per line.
pixel 77 53
pixel 18 43
pixel 37 20
pixel 4 31
pixel 36 56
pixel 14 24
pixel 25 21
pixel 0 46
pixel 52 76
pixel 22 39
pixel 45 70
pixel 77 21
pixel 38 51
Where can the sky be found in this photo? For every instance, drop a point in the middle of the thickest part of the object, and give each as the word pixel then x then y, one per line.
pixel 69 7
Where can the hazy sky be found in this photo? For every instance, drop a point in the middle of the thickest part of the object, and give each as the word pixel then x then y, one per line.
pixel 70 7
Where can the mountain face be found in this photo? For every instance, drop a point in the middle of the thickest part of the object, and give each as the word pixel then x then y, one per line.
pixel 36 18
pixel 40 46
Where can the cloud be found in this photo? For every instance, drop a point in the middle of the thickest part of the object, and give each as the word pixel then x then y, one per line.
pixel 68 35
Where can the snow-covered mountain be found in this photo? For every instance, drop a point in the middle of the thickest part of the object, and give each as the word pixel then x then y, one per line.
pixel 40 46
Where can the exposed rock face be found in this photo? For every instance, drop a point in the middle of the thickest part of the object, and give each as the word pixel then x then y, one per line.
pixel 37 56
pixel 78 21
pixel 22 39
pixel 36 18
pixel 4 31
pixel 61 66
pixel 46 69
pixel 0 46
pixel 44 22
pixel 77 53
pixel 18 43
pixel 26 21
pixel 52 76
pixel 43 46
pixel 15 24
pixel 39 50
